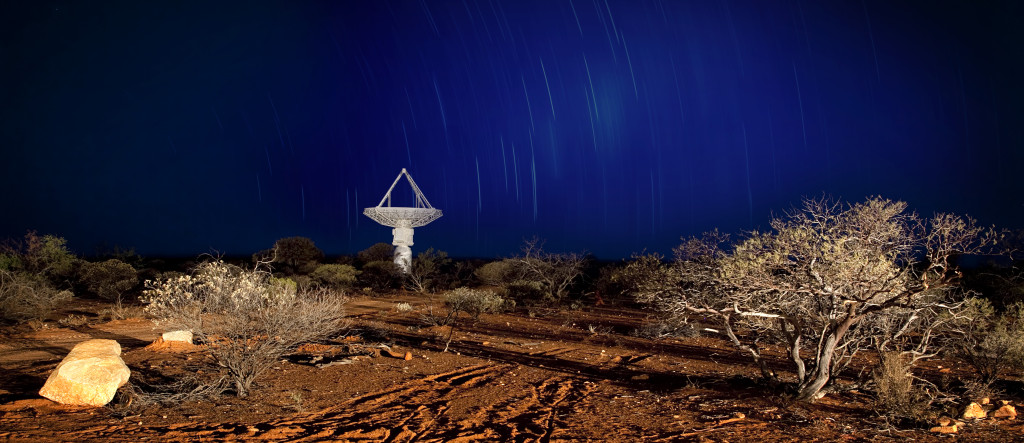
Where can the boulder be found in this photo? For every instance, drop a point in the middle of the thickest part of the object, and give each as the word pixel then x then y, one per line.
pixel 184 336
pixel 974 410
pixel 88 376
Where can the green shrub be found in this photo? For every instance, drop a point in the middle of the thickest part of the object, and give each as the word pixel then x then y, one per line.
pixel 498 273
pixel 474 302
pixel 431 270
pixel 108 279
pixel 47 256
pixel 25 297
pixel 377 252
pixel 282 287
pixel 988 340
pixel 10 262
pixel 381 275
pixel 335 276
pixel 528 292
pixel 292 255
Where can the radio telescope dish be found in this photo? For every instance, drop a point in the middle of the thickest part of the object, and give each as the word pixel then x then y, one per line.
pixel 403 219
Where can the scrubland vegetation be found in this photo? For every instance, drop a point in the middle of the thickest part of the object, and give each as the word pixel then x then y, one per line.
pixel 828 287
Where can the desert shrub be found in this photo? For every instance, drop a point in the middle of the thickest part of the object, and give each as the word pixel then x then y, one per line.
pixel 554 273
pixel 377 252
pixel 498 273
pixel 47 256
pixel 896 394
pixel 473 302
pixel 827 281
pixel 335 276
pixel 527 292
pixel 108 279
pixel 248 320
pixel 380 275
pixel 431 270
pixel 662 328
pixel 291 255
pixel 976 389
pixel 9 262
pixel 26 297
pixel 988 340
pixel 283 286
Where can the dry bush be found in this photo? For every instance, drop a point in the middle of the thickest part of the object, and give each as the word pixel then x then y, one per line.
pixel 248 320
pixel 827 281
pixel 474 302
pixel 556 273
pixel 977 389
pixel 990 341
pixel 896 394
pixel 24 297
pixel 470 301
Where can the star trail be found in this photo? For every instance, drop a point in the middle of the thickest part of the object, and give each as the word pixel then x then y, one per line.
pixel 600 125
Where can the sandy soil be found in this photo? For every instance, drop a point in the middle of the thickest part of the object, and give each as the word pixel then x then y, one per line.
pixel 571 375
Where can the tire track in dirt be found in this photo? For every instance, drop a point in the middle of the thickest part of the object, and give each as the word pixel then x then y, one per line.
pixel 409 411
pixel 535 416
pixel 417 411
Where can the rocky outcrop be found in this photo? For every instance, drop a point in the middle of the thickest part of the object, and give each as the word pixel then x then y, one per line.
pixel 89 375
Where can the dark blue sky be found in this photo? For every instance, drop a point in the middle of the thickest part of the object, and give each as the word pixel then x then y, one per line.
pixel 607 126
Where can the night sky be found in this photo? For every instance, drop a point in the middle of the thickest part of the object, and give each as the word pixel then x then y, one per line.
pixel 608 126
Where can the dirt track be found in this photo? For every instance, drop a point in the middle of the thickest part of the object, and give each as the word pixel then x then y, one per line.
pixel 567 376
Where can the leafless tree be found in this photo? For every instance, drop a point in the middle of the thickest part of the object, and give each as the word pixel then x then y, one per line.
pixel 555 272
pixel 825 281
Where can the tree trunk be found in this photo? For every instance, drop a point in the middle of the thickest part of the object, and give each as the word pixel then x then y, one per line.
pixel 808 390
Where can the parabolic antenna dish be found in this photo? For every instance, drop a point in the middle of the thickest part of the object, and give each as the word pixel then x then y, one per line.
pixel 396 216
pixel 403 219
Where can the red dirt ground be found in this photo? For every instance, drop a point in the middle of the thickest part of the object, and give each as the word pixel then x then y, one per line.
pixel 570 375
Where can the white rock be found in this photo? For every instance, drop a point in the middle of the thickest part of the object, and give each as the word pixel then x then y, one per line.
pixel 89 375
pixel 185 336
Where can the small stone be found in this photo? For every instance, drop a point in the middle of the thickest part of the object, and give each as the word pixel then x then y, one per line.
pixel 985 400
pixel 945 421
pixel 1006 411
pixel 185 336
pixel 974 410
pixel 408 355
pixel 739 415
pixel 640 377
pixel 944 429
